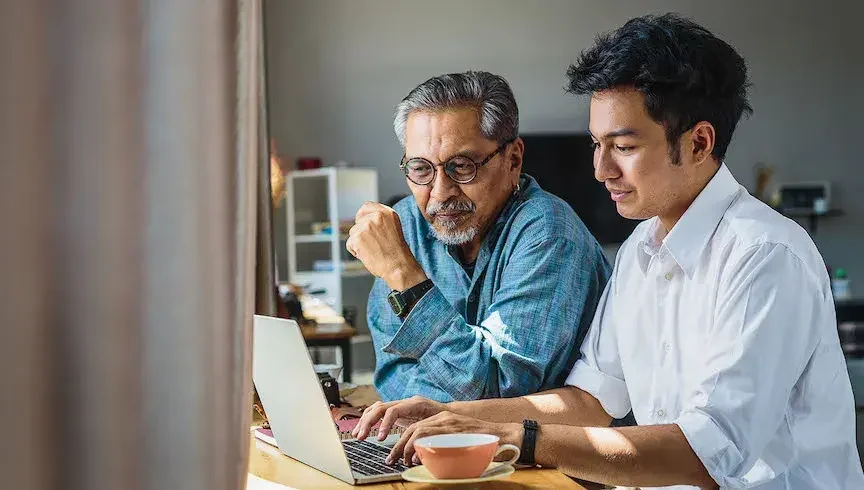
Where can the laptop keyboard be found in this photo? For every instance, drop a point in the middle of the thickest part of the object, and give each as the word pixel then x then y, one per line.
pixel 367 458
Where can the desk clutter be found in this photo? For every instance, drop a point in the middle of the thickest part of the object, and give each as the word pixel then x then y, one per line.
pixel 301 304
pixel 346 416
pixel 343 426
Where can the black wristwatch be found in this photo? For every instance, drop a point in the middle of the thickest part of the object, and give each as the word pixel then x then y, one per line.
pixel 402 302
pixel 529 441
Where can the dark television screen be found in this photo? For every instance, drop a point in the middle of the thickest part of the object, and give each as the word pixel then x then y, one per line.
pixel 563 165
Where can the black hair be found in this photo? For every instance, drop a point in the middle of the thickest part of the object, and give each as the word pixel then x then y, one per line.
pixel 686 74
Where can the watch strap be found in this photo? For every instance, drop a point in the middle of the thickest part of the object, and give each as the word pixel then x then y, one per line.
pixel 414 293
pixel 411 296
pixel 529 442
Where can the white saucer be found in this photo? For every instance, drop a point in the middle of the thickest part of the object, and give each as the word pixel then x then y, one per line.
pixel 419 474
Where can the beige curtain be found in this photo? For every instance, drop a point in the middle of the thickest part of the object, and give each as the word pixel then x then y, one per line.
pixel 130 148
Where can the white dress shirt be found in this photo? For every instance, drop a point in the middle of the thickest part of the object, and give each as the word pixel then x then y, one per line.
pixel 725 326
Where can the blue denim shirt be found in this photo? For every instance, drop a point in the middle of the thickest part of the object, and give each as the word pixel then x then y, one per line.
pixel 512 329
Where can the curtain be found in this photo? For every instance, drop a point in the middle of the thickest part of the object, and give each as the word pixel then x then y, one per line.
pixel 131 216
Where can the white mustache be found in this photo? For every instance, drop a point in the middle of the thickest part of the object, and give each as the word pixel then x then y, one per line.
pixel 434 207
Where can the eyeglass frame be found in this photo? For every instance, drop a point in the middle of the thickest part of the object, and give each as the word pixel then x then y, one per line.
pixel 403 164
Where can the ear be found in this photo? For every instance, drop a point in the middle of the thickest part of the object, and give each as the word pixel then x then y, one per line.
pixel 515 154
pixel 702 139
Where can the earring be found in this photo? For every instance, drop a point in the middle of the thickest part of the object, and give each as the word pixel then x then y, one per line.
pixel 517 189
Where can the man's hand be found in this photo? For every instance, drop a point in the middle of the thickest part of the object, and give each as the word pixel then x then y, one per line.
pixel 414 409
pixel 450 423
pixel 376 240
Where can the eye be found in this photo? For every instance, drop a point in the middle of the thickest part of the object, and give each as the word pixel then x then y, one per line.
pixel 595 146
pixel 418 168
pixel 462 166
pixel 624 149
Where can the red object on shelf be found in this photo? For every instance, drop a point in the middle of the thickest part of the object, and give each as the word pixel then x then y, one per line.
pixel 308 163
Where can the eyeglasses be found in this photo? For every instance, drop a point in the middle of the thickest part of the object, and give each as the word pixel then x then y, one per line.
pixel 459 168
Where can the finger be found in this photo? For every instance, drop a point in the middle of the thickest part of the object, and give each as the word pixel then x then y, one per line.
pixel 369 419
pixel 441 423
pixel 356 429
pixel 390 417
pixel 366 218
pixel 408 450
pixel 373 406
pixel 396 452
pixel 367 208
pixel 350 246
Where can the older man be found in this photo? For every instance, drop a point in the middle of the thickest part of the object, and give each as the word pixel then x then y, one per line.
pixel 717 327
pixel 487 284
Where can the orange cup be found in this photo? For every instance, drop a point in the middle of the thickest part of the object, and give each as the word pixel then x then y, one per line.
pixel 460 456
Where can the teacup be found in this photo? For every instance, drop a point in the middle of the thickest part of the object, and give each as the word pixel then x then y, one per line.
pixel 460 456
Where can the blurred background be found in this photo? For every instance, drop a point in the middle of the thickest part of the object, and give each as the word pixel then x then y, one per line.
pixel 336 69
pixel 139 230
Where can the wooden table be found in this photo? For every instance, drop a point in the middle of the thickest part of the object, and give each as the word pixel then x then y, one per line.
pixel 267 463
pixel 341 338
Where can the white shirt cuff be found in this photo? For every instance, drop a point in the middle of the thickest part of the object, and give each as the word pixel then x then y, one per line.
pixel 719 456
pixel 611 392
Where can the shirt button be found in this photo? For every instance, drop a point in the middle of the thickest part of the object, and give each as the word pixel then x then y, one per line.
pixel 472 298
pixel 669 276
pixel 661 413
pixel 667 346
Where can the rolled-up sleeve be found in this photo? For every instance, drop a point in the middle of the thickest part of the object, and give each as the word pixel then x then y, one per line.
pixel 599 371
pixel 767 323
pixel 427 321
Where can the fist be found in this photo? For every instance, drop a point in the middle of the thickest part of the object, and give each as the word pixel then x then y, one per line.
pixel 376 239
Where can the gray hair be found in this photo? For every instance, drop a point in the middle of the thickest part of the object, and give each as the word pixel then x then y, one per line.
pixel 490 95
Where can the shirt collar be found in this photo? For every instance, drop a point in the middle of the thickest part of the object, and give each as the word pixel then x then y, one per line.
pixel 688 238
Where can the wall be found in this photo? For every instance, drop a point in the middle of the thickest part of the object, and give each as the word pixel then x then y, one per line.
pixel 337 68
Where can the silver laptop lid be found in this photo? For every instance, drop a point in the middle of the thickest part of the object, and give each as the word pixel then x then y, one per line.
pixel 295 404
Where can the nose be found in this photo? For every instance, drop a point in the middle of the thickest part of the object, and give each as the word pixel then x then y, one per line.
pixel 442 186
pixel 605 167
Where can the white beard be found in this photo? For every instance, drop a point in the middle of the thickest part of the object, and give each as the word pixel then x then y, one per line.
pixel 453 237
pixel 448 233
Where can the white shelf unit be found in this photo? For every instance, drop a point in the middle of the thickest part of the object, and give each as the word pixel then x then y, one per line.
pixel 334 195
pixel 317 238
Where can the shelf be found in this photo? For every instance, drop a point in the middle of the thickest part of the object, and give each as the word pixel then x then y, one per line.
pixel 346 274
pixel 358 273
pixel 328 171
pixel 321 238
pixel 315 172
pixel 322 196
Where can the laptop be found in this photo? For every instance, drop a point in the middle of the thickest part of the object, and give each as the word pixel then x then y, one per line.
pixel 299 414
